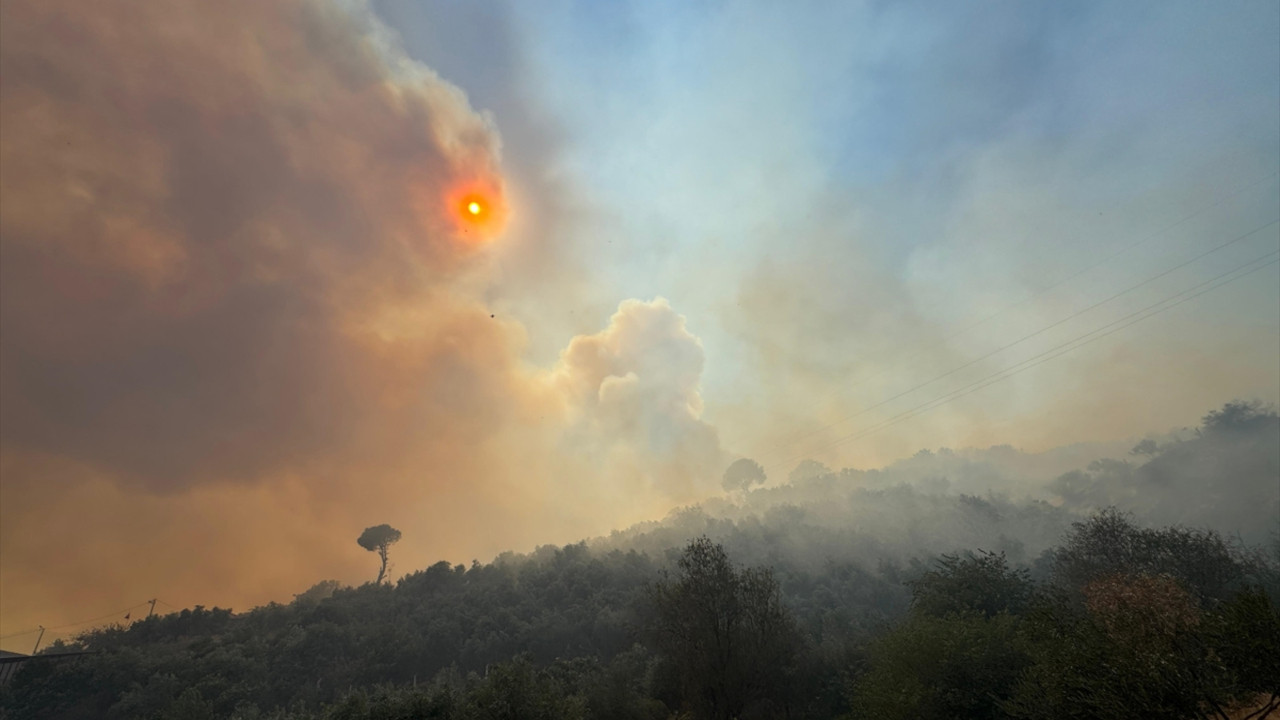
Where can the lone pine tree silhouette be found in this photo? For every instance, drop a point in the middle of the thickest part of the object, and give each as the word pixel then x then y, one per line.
pixel 379 538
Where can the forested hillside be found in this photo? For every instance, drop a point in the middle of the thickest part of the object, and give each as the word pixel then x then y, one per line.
pixel 842 594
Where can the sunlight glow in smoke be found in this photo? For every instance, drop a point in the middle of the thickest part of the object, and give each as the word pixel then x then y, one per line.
pixel 478 210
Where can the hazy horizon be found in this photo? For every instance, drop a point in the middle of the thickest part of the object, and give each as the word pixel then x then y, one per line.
pixel 1000 473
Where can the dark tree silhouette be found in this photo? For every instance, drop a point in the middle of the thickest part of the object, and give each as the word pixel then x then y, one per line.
pixel 807 470
pixel 1111 543
pixel 379 538
pixel 1236 416
pixel 731 641
pixel 979 583
pixel 742 474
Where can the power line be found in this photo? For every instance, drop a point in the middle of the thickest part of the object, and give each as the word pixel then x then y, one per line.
pixel 1141 241
pixel 1046 328
pixel 1060 350
pixel 90 620
pixel 1070 345
pixel 77 624
pixel 1052 353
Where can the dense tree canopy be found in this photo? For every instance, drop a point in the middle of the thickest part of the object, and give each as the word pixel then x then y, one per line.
pixel 1145 622
pixel 728 638
pixel 833 597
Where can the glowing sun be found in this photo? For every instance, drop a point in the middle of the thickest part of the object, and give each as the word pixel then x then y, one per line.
pixel 477 209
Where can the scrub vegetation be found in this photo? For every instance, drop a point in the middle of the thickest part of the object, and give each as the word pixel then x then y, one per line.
pixel 963 610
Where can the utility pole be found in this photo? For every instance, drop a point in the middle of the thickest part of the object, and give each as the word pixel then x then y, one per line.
pixel 153 607
pixel 38 639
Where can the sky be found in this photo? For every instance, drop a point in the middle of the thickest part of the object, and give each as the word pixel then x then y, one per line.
pixel 244 312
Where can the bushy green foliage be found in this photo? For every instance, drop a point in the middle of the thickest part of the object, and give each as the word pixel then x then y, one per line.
pixel 1141 647
pixel 572 611
pixel 979 583
pixel 930 667
pixel 1135 623
pixel 1143 622
pixel 956 655
pixel 1245 633
pixel 730 641
pixel 1110 542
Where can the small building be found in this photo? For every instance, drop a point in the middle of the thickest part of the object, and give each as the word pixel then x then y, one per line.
pixel 11 661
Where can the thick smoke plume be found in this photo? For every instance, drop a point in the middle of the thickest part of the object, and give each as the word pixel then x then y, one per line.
pixel 241 320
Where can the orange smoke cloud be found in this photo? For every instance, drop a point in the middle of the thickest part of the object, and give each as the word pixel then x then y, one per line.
pixel 243 319
pixel 231 320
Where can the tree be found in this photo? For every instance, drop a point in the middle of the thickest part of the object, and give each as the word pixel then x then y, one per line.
pixel 322 590
pixel 807 470
pixel 979 583
pixel 1148 448
pixel 518 690
pixel 937 668
pixel 379 538
pixel 1237 416
pixel 1138 646
pixel 1109 543
pixel 956 655
pixel 1246 633
pixel 742 474
pixel 727 636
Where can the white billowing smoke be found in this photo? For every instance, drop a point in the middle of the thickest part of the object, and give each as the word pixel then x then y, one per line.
pixel 633 404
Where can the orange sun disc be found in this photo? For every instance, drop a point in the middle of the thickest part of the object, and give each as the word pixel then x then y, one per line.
pixel 477 209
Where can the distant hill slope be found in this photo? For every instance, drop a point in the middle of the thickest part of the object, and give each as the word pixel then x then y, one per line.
pixel 843 547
